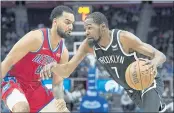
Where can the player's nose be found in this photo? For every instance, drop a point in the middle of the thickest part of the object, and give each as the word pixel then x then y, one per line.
pixel 86 33
pixel 70 27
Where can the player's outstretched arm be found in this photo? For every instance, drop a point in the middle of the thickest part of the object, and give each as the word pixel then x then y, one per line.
pixel 27 43
pixel 133 42
pixel 66 69
pixel 58 80
pixel 57 83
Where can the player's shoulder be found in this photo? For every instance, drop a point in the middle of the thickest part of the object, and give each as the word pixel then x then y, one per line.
pixel 33 39
pixel 119 32
pixel 127 38
pixel 35 36
pixel 125 34
pixel 122 34
pixel 36 33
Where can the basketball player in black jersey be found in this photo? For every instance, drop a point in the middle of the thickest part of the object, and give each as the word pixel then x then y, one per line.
pixel 115 50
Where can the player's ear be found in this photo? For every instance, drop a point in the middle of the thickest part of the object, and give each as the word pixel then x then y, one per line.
pixel 54 21
pixel 103 27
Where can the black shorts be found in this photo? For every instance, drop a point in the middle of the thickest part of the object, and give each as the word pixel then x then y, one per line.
pixel 150 97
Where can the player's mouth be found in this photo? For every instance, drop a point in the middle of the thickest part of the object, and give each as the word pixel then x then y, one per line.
pixel 69 32
pixel 90 38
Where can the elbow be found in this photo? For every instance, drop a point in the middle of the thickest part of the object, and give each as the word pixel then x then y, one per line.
pixel 163 57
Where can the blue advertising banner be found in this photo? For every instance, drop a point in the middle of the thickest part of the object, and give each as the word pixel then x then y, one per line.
pixel 92 104
pixel 66 83
pixel 108 85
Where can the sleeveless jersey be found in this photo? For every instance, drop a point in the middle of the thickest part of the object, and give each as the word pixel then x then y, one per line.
pixel 114 59
pixel 26 71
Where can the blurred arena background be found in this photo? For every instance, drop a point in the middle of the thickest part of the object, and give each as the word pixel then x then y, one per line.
pixel 151 21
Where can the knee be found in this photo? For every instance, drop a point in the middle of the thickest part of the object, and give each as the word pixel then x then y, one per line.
pixel 21 107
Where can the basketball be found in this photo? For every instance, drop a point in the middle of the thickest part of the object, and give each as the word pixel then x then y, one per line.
pixel 139 77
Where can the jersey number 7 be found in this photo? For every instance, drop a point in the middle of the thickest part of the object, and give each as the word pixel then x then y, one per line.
pixel 115 68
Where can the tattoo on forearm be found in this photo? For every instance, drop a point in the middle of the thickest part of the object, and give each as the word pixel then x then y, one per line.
pixel 58 90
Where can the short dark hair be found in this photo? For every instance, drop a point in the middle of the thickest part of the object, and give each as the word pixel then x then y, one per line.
pixel 58 11
pixel 98 18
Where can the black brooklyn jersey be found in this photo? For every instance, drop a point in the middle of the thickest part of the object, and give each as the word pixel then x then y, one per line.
pixel 114 59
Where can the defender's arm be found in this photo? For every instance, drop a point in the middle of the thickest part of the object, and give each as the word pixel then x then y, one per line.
pixel 66 69
pixel 58 80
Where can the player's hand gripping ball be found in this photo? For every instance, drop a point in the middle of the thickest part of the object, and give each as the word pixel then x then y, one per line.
pixel 140 74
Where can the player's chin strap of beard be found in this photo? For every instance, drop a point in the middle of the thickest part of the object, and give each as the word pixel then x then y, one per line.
pixel 92 41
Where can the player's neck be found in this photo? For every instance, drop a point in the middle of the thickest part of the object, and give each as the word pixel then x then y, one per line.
pixel 105 39
pixel 54 38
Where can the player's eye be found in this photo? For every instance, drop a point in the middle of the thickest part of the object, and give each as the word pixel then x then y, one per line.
pixel 67 22
pixel 89 28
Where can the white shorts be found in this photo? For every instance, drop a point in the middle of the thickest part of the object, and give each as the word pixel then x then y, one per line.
pixel 15 97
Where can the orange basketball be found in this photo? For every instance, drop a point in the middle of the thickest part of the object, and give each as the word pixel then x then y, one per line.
pixel 139 77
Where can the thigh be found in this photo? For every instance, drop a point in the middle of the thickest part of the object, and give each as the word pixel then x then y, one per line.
pixel 152 97
pixel 12 94
pixel 50 107
pixel 151 101
pixel 135 96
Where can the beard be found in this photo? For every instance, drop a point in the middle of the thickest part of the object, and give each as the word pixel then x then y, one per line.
pixel 61 33
pixel 92 41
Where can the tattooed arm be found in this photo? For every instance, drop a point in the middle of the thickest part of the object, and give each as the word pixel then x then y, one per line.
pixel 59 96
pixel 58 91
